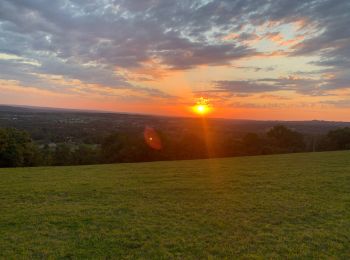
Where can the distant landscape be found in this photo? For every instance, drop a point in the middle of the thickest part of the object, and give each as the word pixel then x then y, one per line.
pixel 42 136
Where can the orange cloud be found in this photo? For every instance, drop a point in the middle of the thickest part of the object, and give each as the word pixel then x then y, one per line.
pixel 280 40
pixel 230 36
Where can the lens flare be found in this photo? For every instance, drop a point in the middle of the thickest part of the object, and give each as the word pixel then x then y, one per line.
pixel 152 138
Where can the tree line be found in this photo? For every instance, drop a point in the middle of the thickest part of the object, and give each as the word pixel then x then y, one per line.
pixel 17 149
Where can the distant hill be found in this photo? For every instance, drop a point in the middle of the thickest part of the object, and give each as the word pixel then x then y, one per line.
pixel 27 118
pixel 32 109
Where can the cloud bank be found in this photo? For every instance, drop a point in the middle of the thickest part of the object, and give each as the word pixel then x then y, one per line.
pixel 93 42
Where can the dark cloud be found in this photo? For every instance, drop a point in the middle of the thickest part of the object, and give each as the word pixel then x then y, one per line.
pixel 343 103
pixel 246 87
pixel 120 33
pixel 255 69
pixel 301 85
pixel 304 86
pixel 332 38
pixel 33 75
pixel 88 40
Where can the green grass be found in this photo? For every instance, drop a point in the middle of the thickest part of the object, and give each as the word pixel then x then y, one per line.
pixel 283 206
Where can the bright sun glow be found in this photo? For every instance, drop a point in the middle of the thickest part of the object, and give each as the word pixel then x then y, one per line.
pixel 201 107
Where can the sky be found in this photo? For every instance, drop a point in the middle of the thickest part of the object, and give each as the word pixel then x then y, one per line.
pixel 251 59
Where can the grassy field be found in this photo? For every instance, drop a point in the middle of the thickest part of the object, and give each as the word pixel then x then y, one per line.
pixel 283 206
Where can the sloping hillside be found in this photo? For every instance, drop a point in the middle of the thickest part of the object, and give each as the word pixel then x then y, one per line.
pixel 269 206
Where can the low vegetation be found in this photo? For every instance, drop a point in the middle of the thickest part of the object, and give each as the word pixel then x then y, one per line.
pixel 280 206
pixel 18 149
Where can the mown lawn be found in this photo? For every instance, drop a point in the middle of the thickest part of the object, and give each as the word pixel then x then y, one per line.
pixel 283 206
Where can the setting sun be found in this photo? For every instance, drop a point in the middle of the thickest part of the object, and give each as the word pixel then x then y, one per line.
pixel 202 107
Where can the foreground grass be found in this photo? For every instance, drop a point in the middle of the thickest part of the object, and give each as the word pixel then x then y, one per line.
pixel 266 207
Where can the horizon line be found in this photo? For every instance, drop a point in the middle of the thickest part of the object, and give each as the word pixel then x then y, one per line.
pixel 84 110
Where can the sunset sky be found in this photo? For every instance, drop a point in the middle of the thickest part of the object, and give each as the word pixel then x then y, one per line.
pixel 253 59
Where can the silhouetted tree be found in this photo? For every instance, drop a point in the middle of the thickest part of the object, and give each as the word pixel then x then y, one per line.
pixel 125 147
pixel 190 146
pixel 46 155
pixel 252 144
pixel 63 155
pixel 86 154
pixel 17 149
pixel 340 138
pixel 285 139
